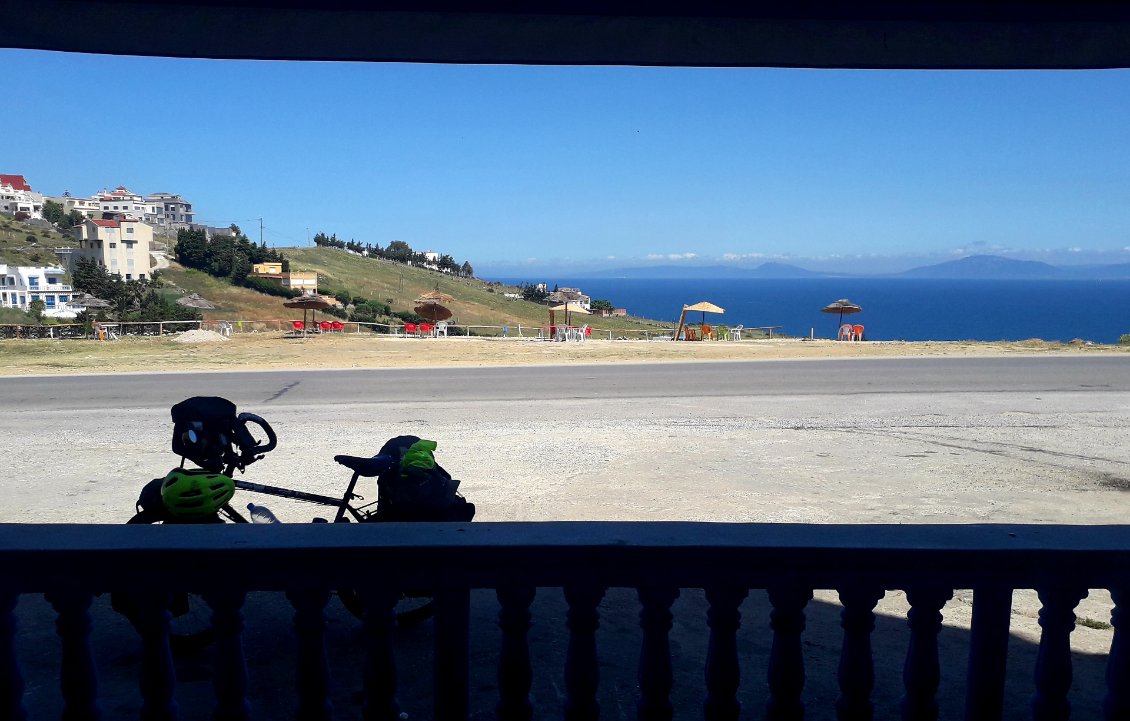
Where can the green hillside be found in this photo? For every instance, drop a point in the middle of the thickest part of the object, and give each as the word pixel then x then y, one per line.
pixel 27 244
pixel 477 302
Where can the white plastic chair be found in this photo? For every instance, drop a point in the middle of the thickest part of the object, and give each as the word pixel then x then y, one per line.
pixel 441 329
pixel 736 332
pixel 846 332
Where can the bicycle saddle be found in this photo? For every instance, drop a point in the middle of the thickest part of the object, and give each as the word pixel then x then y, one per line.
pixel 367 467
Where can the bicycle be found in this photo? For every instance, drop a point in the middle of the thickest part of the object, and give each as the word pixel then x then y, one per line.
pixel 208 432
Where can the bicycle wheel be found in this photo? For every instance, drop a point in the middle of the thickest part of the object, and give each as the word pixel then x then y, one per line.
pixel 412 609
pixel 190 623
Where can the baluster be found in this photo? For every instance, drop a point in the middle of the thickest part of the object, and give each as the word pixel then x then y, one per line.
pixel 922 673
pixel 230 678
pixel 77 675
pixel 723 673
pixel 856 672
pixel 1116 704
pixel 514 672
pixel 988 654
pixel 452 653
pixel 582 674
pixel 655 676
pixel 312 672
pixel 380 666
pixel 1053 660
pixel 11 681
pixel 786 657
pixel 158 675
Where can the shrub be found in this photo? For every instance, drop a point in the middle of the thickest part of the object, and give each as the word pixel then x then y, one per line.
pixel 262 285
pixel 31 239
pixel 1124 339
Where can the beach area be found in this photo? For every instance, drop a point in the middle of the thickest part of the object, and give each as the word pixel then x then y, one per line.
pixel 207 350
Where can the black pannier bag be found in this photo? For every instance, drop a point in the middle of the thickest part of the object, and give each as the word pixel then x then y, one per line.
pixel 213 422
pixel 416 494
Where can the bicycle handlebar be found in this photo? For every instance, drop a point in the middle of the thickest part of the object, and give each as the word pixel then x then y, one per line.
pixel 247 442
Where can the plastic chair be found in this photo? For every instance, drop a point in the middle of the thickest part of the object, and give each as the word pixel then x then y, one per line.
pixel 736 332
pixel 441 329
pixel 689 334
pixel 410 329
pixel 846 332
pixel 707 332
pixel 325 326
pixel 298 325
pixel 337 326
pixel 857 332
pixel 426 328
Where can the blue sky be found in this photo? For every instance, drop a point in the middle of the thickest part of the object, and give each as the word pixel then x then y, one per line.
pixel 567 169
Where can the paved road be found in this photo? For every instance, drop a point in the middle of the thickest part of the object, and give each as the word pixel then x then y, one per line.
pixel 539 383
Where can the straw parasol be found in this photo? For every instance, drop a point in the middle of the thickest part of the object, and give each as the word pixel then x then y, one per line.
pixel 576 308
pixel 843 306
pixel 432 311
pixel 705 306
pixel 312 303
pixel 85 300
pixel 195 301
pixel 435 296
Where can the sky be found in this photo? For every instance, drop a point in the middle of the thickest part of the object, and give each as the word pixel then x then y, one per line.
pixel 529 170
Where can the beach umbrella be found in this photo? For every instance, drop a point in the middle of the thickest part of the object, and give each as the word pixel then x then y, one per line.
pixel 195 301
pixel 435 296
pixel 843 307
pixel 432 311
pixel 577 308
pixel 311 303
pixel 704 306
pixel 86 300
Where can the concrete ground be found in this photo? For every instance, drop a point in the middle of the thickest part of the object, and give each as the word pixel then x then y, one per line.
pixel 1049 455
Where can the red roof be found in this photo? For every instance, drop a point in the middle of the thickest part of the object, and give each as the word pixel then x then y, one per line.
pixel 16 181
pixel 105 223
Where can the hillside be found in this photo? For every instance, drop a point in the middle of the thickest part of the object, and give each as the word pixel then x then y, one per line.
pixel 477 302
pixel 17 249
pixel 986 267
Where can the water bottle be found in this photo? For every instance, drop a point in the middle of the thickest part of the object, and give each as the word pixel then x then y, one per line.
pixel 261 514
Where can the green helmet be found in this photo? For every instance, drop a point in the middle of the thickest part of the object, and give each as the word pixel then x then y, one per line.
pixel 192 493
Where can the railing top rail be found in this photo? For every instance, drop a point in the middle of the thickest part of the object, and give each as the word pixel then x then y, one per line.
pixel 43 557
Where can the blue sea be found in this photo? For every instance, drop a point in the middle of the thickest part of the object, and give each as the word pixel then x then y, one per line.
pixel 893 308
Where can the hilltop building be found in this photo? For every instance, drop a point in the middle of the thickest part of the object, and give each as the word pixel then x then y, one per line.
pixel 20 285
pixel 121 245
pixel 16 196
pixel 162 211
pixel 307 283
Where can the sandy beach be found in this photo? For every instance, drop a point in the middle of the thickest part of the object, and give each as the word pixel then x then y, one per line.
pixel 205 350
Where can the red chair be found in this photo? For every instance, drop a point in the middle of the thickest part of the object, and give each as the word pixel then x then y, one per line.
pixel 337 326
pixel 410 329
pixel 426 328
pixel 325 326
pixel 298 325
pixel 857 332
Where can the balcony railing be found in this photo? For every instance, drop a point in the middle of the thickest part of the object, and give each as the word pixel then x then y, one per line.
pixel 71 563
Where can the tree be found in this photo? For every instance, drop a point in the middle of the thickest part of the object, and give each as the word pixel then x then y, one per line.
pixel 75 217
pixel 533 293
pixel 467 271
pixel 53 212
pixel 601 304
pixel 36 309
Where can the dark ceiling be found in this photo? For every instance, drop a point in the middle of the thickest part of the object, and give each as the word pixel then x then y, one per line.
pixel 816 33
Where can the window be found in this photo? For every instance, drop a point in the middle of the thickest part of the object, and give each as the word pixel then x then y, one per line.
pixel 141 276
pixel 4 297
pixel 113 245
pixel 64 298
pixel 129 229
pixel 129 276
pixel 50 301
pixel 52 280
pixel 23 299
pixel 33 282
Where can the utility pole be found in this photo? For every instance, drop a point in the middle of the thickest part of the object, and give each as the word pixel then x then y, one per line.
pixel 260 231
pixel 307 235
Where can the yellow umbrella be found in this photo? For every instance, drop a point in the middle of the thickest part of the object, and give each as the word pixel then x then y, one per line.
pixel 704 306
pixel 565 307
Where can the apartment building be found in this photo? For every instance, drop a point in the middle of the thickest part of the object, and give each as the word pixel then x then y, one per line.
pixel 16 196
pixel 121 245
pixel 90 207
pixel 170 210
pixel 20 285
pixel 307 282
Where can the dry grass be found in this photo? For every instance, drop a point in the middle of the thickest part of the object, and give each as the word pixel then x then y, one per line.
pixel 271 350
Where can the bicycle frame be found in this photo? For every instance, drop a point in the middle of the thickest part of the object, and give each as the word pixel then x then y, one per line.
pixel 342 504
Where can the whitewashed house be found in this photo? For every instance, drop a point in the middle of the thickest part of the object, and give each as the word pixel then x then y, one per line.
pixel 20 285
pixel 16 196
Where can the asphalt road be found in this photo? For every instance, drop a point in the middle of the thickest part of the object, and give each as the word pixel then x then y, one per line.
pixel 540 383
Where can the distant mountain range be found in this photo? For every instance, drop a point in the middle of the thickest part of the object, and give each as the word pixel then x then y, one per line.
pixel 974 267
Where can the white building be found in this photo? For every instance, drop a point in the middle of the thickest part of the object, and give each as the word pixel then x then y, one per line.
pixel 120 200
pixel 16 196
pixel 89 207
pixel 121 245
pixel 20 285
pixel 169 210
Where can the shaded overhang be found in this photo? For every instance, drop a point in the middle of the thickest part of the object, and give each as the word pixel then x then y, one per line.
pixel 816 33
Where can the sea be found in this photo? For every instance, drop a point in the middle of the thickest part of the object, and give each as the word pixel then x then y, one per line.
pixel 892 308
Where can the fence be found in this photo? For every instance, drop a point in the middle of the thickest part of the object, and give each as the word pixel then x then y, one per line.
pixel 228 327
pixel 69 563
